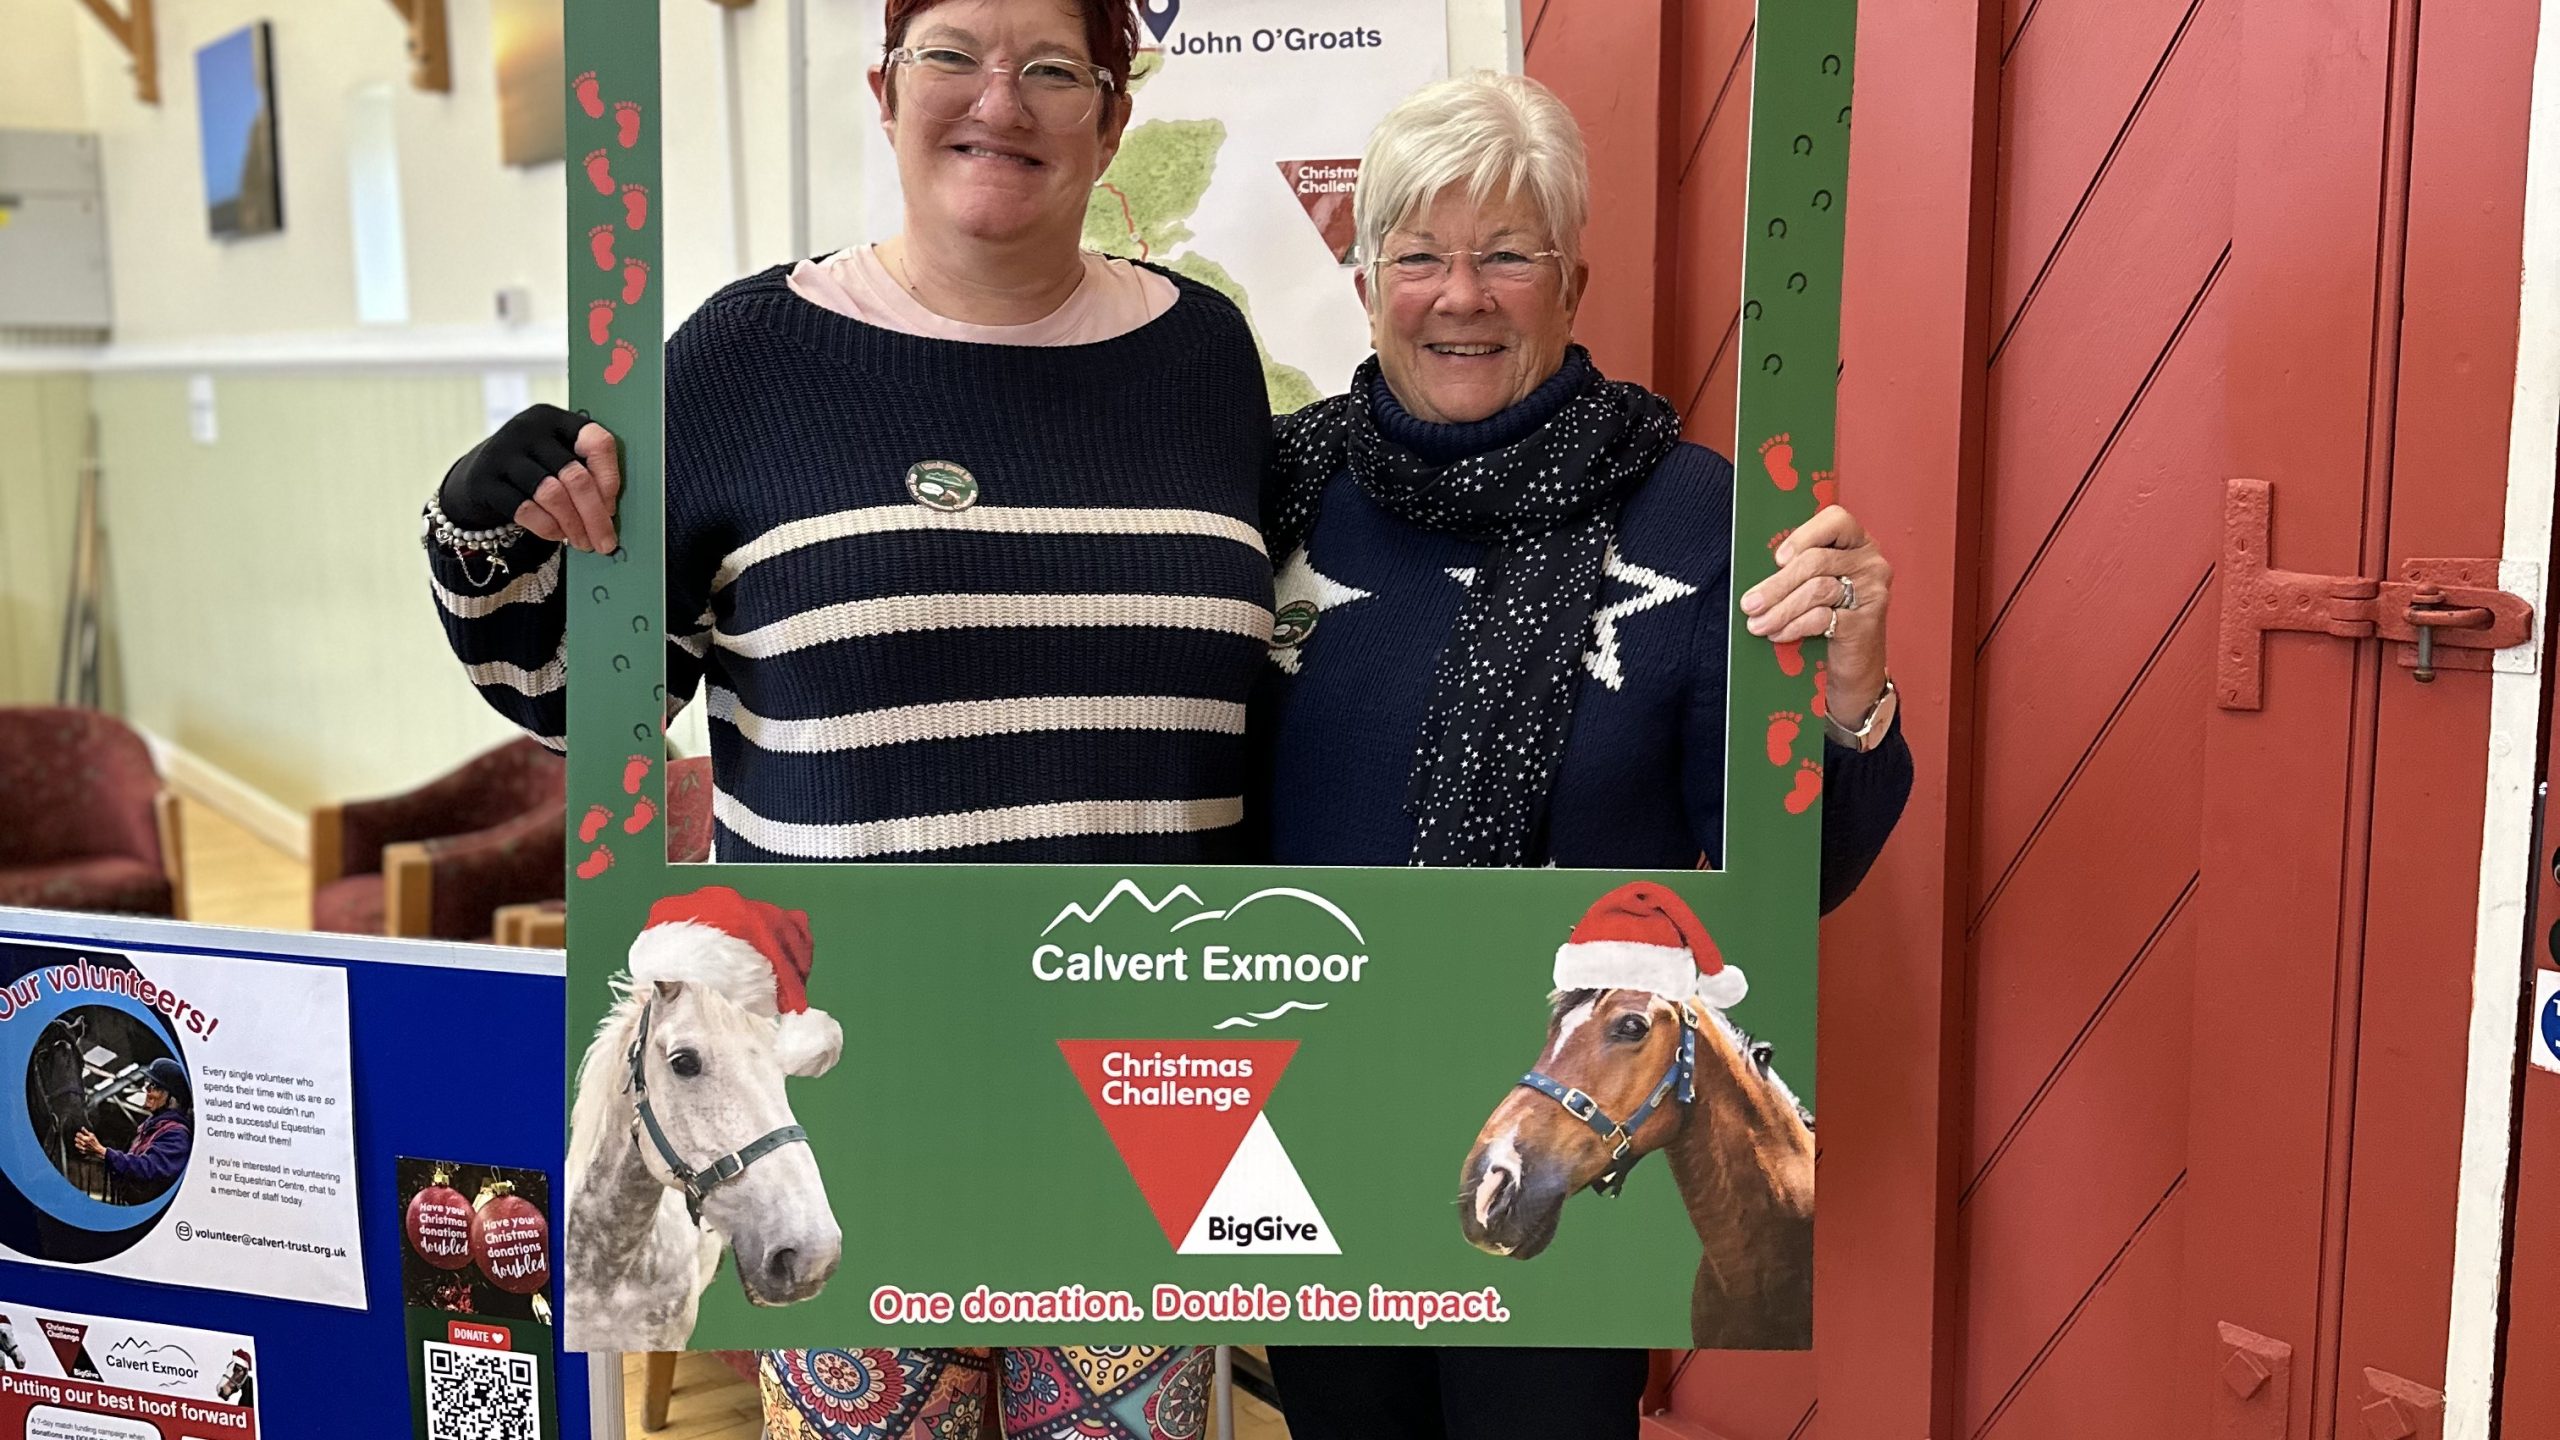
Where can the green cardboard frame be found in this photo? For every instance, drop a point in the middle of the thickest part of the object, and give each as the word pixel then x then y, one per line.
pixel 993 1171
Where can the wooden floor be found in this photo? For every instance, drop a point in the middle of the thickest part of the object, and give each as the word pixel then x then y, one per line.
pixel 234 878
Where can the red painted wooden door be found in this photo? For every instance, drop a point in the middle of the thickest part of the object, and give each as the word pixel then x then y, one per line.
pixel 2199 1055
pixel 2378 232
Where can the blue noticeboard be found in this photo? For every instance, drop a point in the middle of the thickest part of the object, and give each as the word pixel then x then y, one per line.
pixel 456 1054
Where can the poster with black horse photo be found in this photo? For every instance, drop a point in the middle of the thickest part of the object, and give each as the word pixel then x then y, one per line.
pixel 475 1281
pixel 176 1116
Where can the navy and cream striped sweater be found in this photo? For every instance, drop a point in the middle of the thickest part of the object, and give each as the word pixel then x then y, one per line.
pixel 1056 673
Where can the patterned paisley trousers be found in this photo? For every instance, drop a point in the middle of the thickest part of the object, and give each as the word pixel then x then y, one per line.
pixel 1081 1392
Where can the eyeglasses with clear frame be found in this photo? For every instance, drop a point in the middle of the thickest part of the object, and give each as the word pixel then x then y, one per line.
pixel 1058 93
pixel 1501 269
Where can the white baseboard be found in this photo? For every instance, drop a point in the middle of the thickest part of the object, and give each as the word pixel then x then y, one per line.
pixel 235 799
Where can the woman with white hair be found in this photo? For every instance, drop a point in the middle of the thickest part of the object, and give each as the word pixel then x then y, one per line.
pixel 1501 633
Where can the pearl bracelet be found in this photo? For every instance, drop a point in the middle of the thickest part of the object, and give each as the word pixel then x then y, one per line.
pixel 444 532
pixel 466 543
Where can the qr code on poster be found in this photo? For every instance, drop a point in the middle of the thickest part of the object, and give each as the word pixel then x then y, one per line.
pixel 481 1394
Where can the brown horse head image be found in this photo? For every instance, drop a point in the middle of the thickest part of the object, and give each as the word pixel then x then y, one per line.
pixel 1655 1065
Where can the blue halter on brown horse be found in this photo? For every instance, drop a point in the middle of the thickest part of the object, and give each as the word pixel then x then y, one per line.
pixel 1637 1030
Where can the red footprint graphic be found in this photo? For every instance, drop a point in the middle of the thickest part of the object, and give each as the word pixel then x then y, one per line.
pixel 590 98
pixel 626 122
pixel 641 815
pixel 1808 788
pixel 600 171
pixel 596 863
pixel 1778 453
pixel 625 355
pixel 634 770
pixel 1790 658
pixel 592 825
pixel 1784 727
pixel 600 244
pixel 1821 690
pixel 1779 539
pixel 600 321
pixel 635 205
pixel 1826 488
pixel 635 280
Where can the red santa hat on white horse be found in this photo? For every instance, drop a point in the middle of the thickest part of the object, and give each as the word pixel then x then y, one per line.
pixel 755 953
pixel 1644 937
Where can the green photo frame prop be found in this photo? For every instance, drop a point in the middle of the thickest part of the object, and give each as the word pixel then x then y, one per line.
pixel 967 1167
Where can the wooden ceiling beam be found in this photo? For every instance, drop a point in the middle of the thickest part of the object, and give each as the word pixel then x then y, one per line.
pixel 430 44
pixel 135 32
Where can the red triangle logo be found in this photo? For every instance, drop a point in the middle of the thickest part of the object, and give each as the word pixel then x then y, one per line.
pixel 69 1346
pixel 1159 1100
pixel 1323 187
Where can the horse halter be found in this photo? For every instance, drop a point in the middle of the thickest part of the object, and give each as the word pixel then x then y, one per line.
pixel 697 1184
pixel 1683 1076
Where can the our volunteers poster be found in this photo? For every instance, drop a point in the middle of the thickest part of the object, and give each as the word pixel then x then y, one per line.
pixel 178 1117
pixel 67 1376
pixel 1101 1105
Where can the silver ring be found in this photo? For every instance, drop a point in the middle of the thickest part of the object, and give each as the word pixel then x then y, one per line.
pixel 1831 624
pixel 1848 594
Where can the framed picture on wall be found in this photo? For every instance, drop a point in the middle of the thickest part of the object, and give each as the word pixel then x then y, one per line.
pixel 236 121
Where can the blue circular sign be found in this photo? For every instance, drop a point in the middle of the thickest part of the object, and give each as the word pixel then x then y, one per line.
pixel 42 1213
pixel 2551 1023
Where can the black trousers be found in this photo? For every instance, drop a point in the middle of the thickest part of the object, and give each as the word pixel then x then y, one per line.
pixel 1379 1392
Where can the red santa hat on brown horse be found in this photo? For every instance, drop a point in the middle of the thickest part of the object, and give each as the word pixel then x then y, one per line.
pixel 757 954
pixel 1644 937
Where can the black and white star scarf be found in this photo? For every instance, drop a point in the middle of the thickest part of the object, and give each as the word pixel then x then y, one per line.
pixel 1546 508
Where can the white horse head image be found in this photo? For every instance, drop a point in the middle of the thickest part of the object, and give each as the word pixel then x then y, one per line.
pixel 683 1141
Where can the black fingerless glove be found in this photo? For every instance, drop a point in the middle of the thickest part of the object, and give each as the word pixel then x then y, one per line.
pixel 485 486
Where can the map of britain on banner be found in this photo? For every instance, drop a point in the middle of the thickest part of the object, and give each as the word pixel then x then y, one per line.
pixel 1229 175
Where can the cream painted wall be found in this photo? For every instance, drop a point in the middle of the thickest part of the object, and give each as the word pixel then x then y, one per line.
pixel 45 420
pixel 273 618
pixel 473 224
pixel 38 91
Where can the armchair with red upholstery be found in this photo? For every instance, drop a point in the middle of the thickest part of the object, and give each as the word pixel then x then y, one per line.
pixel 85 823
pixel 439 861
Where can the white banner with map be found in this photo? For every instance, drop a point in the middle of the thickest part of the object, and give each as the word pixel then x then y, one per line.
pixel 1238 163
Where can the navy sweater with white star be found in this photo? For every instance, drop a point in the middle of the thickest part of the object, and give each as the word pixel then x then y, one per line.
pixel 1642 782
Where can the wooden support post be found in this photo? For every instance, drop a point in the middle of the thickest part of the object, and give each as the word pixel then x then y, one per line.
pixel 430 44
pixel 139 37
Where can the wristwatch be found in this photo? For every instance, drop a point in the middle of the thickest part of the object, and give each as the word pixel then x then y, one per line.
pixel 1871 730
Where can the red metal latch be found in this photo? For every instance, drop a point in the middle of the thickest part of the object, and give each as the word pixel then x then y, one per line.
pixel 2437 606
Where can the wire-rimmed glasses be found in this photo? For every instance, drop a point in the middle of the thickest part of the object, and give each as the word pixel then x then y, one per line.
pixel 1499 269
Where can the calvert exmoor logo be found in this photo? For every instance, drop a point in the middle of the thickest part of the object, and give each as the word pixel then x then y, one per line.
pixel 1187 1114
pixel 1078 948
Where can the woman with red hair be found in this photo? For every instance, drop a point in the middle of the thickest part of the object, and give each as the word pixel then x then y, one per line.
pixel 1007 455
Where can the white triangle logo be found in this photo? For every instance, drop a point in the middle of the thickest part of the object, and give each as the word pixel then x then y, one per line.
pixel 1260 1207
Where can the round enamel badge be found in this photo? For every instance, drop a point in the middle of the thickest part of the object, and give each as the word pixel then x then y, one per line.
pixel 1292 623
pixel 942 485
